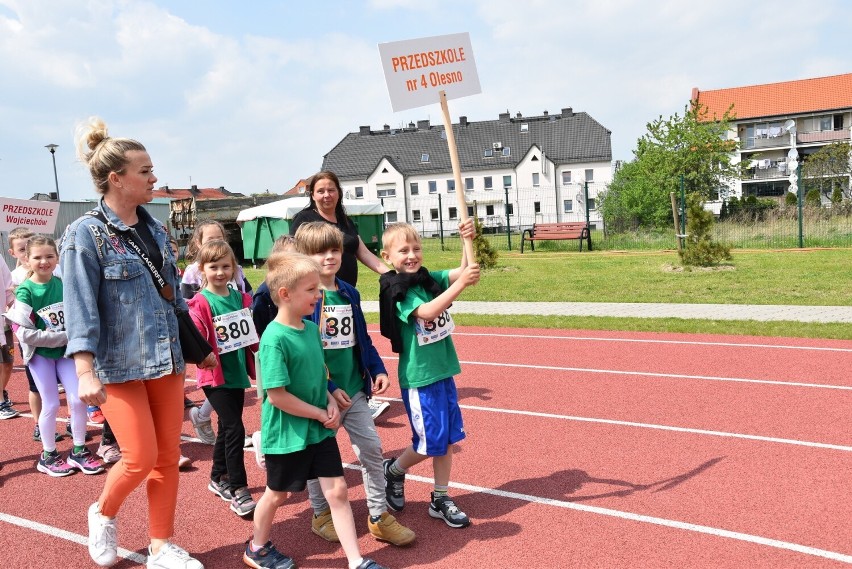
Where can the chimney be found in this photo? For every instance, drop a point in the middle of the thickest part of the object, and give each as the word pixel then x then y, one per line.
pixel 567 112
pixel 423 125
pixel 463 121
pixel 503 117
pixel 411 125
pixel 387 127
pixel 364 130
pixel 519 115
pixel 545 113
pixel 194 190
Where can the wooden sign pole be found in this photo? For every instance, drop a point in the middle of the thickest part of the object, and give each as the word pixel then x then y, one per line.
pixel 454 159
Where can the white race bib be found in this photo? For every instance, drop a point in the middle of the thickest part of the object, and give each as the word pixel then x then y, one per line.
pixel 337 327
pixel 234 330
pixel 53 316
pixel 431 331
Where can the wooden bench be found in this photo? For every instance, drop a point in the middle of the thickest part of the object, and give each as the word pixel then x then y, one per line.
pixel 556 232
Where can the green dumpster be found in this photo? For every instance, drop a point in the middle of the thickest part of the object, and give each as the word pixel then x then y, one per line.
pixel 260 226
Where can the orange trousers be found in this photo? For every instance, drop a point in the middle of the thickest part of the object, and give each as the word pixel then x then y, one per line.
pixel 146 418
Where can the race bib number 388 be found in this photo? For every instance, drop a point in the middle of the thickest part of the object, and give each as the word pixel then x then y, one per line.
pixel 336 327
pixel 234 330
pixel 53 316
pixel 431 331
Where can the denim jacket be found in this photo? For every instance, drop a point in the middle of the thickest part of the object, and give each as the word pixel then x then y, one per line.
pixel 112 307
pixel 369 362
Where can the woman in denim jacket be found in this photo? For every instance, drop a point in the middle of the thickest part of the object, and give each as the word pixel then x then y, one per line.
pixel 123 336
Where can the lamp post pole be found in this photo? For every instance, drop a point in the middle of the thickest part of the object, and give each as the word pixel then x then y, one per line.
pixel 52 148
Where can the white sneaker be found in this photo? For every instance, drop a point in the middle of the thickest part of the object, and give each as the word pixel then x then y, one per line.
pixel 377 407
pixel 204 429
pixel 103 541
pixel 258 454
pixel 172 557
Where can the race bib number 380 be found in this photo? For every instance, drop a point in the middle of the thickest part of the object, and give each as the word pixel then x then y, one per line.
pixel 53 316
pixel 234 330
pixel 431 331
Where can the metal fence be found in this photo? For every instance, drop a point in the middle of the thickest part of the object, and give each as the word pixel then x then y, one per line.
pixel 506 214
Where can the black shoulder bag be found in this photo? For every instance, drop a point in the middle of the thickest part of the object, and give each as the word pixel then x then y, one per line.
pixel 193 345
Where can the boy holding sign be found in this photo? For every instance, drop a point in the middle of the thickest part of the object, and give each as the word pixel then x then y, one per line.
pixel 222 315
pixel 356 372
pixel 413 304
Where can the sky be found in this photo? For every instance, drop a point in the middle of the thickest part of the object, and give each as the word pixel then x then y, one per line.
pixel 251 95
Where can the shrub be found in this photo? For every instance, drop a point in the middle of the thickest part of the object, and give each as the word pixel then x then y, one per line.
pixel 813 198
pixel 485 254
pixel 791 199
pixel 699 248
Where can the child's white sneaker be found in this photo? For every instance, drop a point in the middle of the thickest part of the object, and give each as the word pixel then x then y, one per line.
pixel 103 541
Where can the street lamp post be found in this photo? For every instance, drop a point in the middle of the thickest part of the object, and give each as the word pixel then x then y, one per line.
pixel 52 148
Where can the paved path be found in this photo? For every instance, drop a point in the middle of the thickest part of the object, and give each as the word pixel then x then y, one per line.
pixel 763 312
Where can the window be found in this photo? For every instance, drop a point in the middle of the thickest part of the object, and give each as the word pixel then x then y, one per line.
pixel 359 192
pixel 433 187
pixel 386 190
pixel 433 213
pixel 590 204
pixel 489 184
pixel 424 158
pixel 453 213
pixel 568 205
pixel 510 209
pixel 507 152
pixel 489 210
pixel 535 179
pixel 415 215
pixel 590 175
pixel 390 217
pixel 451 186
pixel 468 184
pixel 488 153
pixel 470 211
pixel 507 181
pixel 536 207
pixel 566 177
pixel 525 127
pixel 415 190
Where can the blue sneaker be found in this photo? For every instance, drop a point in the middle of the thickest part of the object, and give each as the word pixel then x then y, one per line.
pixel 267 557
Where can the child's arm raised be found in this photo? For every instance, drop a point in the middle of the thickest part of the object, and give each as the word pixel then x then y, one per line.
pixel 466 231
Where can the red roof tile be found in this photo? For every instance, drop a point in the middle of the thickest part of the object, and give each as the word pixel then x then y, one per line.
pixel 198 193
pixel 778 99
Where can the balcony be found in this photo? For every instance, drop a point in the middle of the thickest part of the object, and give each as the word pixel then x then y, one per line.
pixel 767 141
pixel 823 136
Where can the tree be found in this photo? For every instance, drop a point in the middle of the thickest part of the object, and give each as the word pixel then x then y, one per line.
pixel 486 255
pixel 699 248
pixel 828 168
pixel 694 146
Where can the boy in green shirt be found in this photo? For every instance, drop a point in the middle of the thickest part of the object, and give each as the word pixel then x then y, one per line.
pixel 413 306
pixel 298 414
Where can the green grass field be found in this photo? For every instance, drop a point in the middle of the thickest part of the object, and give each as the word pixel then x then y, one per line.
pixel 791 277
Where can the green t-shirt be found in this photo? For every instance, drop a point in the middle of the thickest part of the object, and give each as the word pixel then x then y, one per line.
pixel 421 365
pixel 234 362
pixel 341 362
pixel 292 359
pixel 38 296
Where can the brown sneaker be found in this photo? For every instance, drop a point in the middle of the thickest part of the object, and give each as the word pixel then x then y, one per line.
pixel 323 526
pixel 389 530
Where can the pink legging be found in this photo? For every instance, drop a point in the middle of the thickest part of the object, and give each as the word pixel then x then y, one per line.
pixel 146 417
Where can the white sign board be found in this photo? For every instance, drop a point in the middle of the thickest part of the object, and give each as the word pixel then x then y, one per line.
pixel 38 216
pixel 416 70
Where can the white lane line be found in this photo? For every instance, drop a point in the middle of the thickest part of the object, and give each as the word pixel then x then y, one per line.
pixel 630 516
pixel 66 535
pixel 648 341
pixel 654 426
pixel 653 374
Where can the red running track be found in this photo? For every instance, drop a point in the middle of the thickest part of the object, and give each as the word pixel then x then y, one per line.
pixel 584 449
